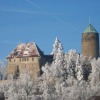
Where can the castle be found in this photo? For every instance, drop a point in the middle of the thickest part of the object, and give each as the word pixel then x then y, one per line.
pixel 28 57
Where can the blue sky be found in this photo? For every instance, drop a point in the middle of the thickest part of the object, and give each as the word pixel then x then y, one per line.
pixel 40 21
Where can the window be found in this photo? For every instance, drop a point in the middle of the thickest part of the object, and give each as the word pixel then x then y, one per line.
pixel 32 59
pixel 17 72
pixel 27 59
pixel 32 67
pixel 23 59
pixel 38 74
pixel 14 60
pixel 19 59
pixel 9 60
pixel 25 65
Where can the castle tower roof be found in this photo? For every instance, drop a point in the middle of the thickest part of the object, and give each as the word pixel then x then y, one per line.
pixel 90 29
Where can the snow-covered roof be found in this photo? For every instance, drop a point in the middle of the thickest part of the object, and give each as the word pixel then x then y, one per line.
pixel 29 49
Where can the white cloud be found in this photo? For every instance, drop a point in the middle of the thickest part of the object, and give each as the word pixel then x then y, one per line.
pixel 29 12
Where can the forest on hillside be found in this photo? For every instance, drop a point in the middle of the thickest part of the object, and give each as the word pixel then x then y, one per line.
pixel 69 77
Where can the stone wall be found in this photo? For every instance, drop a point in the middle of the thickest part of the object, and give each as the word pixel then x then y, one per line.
pixel 31 65
pixel 90 45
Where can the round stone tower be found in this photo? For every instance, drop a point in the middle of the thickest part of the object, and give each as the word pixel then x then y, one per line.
pixel 90 42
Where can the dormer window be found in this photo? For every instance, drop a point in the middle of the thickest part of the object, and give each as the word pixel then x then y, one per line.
pixel 26 53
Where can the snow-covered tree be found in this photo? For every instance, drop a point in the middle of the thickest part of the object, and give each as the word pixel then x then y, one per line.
pixel 69 77
pixel 57 49
pixel 94 77
pixel 70 62
pixel 66 78
pixel 23 88
pixel 3 70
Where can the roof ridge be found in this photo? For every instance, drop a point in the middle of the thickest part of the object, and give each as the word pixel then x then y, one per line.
pixel 36 48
